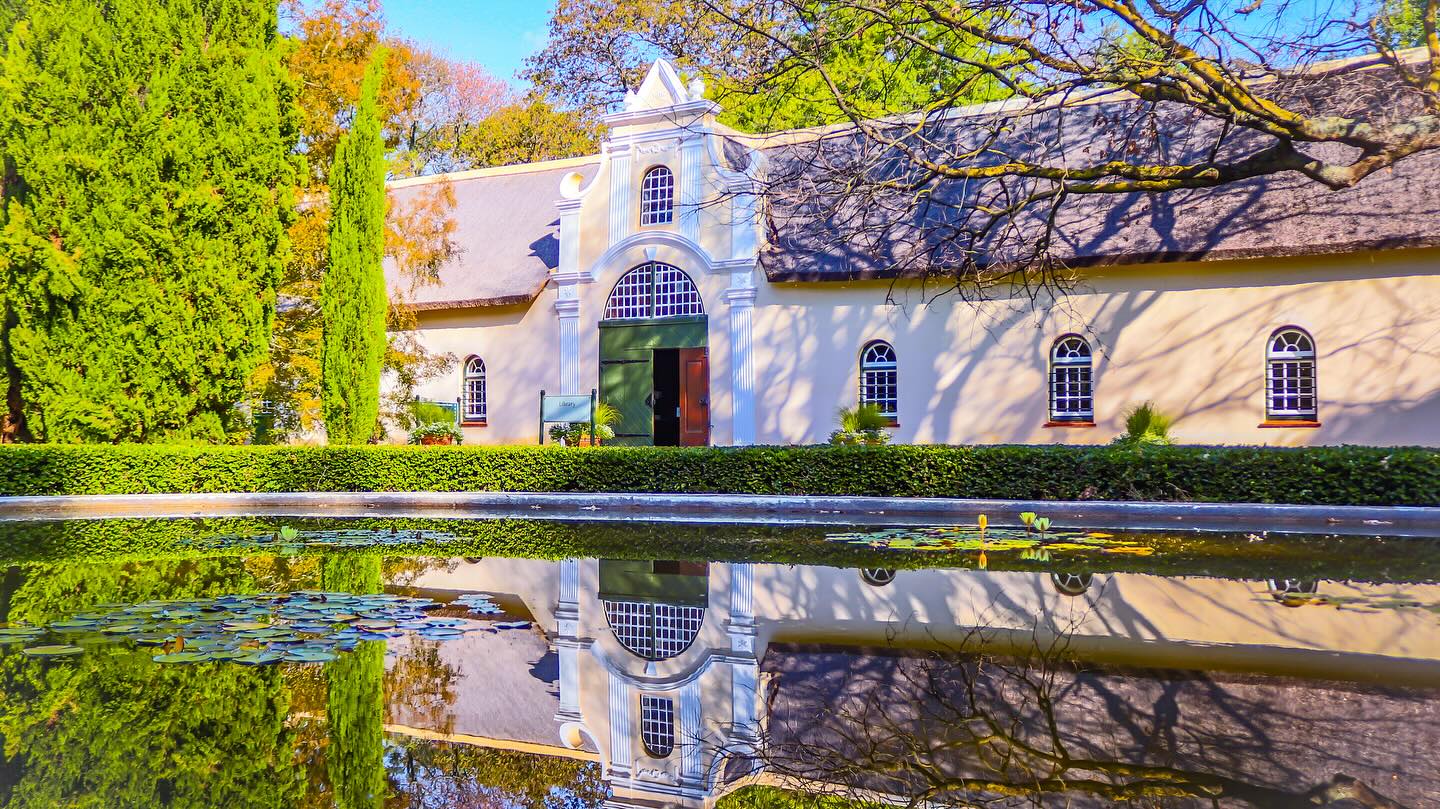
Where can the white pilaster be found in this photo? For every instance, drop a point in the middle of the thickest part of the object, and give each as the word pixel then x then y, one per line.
pixel 567 644
pixel 622 706
pixel 622 212
pixel 692 152
pixel 743 680
pixel 691 734
pixel 567 311
pixel 741 300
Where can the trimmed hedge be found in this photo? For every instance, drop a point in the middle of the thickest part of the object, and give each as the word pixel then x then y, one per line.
pixel 1318 475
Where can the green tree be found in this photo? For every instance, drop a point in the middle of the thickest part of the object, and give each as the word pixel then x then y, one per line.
pixel 353 297
pixel 355 698
pixel 146 166
pixel 599 48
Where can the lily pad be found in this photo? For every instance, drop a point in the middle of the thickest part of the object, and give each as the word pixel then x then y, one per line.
pixel 182 657
pixel 65 650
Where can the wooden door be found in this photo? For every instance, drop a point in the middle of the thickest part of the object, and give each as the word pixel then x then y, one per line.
pixel 625 383
pixel 694 397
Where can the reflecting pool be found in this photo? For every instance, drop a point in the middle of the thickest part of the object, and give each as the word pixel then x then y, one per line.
pixel 521 663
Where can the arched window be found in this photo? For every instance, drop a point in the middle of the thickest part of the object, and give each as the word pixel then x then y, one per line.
pixel 472 391
pixel 653 290
pixel 877 576
pixel 657 197
pixel 1071 387
pixel 657 725
pixel 1290 376
pixel 879 378
pixel 1071 584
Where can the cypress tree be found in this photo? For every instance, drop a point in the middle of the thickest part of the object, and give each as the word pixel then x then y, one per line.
pixel 147 167
pixel 352 299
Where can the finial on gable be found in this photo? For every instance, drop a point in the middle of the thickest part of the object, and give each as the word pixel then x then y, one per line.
pixel 663 88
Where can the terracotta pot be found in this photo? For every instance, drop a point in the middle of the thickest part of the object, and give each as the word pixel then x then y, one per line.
pixel 432 440
pixel 586 442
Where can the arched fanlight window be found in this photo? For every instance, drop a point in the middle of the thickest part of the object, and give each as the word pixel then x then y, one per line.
pixel 657 197
pixel 654 630
pixel 880 378
pixel 877 576
pixel 1071 584
pixel 1290 376
pixel 1071 385
pixel 653 290
pixel 657 725
pixel 472 391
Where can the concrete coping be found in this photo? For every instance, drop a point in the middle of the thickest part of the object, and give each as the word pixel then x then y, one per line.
pixel 740 508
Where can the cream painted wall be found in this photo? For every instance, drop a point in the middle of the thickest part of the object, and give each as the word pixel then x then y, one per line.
pixel 520 347
pixel 1190 337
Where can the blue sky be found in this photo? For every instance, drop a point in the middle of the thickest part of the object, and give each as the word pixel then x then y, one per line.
pixel 498 34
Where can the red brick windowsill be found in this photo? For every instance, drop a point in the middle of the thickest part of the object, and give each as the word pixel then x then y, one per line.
pixel 1069 424
pixel 1281 424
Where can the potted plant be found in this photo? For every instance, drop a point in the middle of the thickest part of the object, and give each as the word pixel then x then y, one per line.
pixel 862 424
pixel 436 432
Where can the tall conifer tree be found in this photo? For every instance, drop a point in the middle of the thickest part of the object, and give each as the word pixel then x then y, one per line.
pixel 353 295
pixel 147 167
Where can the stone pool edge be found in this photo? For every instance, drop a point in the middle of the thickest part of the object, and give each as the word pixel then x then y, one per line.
pixel 1400 520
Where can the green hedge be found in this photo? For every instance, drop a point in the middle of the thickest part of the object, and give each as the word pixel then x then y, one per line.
pixel 1322 475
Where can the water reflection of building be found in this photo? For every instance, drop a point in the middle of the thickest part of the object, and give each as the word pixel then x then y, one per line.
pixel 659 664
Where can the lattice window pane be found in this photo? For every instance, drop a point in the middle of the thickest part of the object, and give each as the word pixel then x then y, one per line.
pixel 654 631
pixel 654 290
pixel 675 293
pixel 657 725
pixel 474 390
pixel 657 197
pixel 880 378
pixel 1071 381
pixel 632 298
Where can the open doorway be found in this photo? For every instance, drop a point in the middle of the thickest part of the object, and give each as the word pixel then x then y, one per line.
pixel 666 368
pixel 681 397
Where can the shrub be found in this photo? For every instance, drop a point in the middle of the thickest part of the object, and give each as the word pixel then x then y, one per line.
pixel 1145 424
pixel 1325 475
pixel 436 430
pixel 862 424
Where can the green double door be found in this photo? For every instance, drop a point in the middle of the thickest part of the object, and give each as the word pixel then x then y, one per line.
pixel 657 374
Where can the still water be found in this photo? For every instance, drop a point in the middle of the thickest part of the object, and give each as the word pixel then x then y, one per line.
pixel 517 663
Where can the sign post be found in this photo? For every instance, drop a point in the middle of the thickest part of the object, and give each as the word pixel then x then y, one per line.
pixel 570 409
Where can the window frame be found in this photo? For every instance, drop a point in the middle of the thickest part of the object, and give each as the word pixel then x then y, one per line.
pixel 469 377
pixel 1083 368
pixel 657 722
pixel 886 376
pixel 1295 390
pixel 657 203
pixel 665 293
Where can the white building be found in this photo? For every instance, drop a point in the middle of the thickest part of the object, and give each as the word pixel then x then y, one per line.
pixel 1268 312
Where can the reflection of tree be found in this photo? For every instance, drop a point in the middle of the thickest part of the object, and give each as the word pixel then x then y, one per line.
pixel 432 775
pixel 49 592
pixel 109 731
pixel 355 702
pixel 941 728
pixel 421 685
